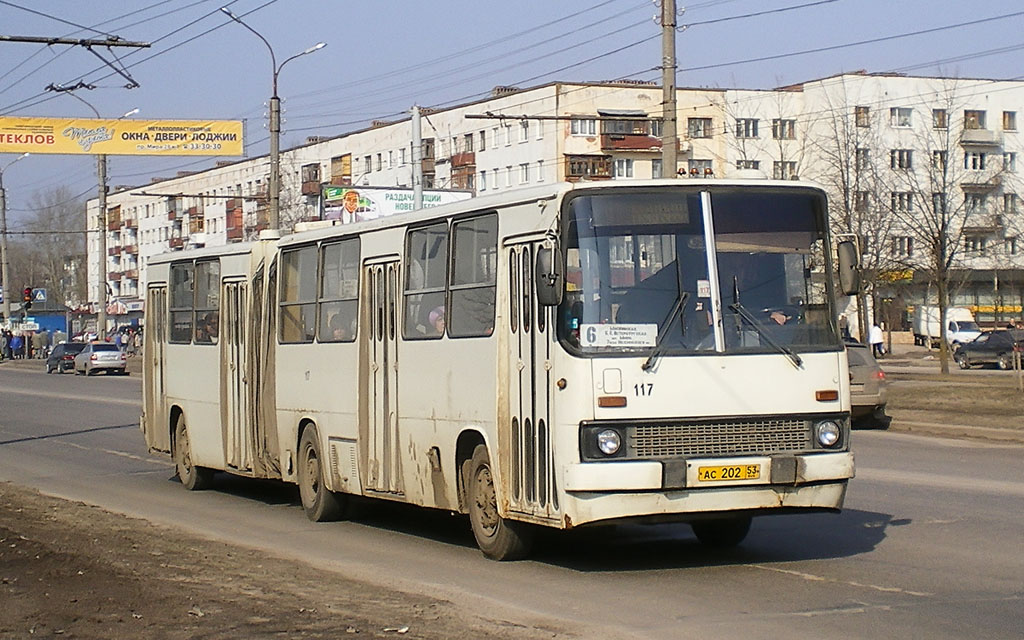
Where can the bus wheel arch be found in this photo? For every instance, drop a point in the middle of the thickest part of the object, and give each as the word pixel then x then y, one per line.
pixel 192 476
pixel 318 501
pixel 464 448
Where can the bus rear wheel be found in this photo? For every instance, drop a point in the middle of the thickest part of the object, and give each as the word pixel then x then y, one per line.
pixel 498 538
pixel 192 477
pixel 319 503
pixel 722 533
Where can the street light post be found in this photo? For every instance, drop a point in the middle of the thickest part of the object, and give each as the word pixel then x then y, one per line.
pixel 4 261
pixel 275 120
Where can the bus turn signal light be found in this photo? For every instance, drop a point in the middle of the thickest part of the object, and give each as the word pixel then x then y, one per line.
pixel 611 401
pixel 826 395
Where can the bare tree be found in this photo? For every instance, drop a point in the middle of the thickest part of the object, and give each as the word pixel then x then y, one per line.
pixel 52 251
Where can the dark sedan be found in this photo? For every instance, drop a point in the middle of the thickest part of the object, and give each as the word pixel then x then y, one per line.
pixel 992 347
pixel 62 358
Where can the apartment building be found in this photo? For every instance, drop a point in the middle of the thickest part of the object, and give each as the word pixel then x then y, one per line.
pixel 871 139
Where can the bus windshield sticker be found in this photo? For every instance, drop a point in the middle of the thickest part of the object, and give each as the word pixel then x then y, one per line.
pixel 619 335
pixel 703 288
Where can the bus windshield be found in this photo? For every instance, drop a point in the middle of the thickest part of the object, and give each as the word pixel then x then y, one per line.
pixel 640 274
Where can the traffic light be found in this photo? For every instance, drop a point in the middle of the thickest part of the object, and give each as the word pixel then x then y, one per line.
pixel 26 298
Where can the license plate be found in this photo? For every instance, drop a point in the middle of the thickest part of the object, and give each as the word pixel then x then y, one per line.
pixel 729 472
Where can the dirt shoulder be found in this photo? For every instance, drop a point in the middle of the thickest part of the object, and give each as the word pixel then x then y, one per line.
pixel 77 571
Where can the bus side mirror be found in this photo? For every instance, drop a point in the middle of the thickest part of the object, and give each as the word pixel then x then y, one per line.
pixel 849 274
pixel 549 276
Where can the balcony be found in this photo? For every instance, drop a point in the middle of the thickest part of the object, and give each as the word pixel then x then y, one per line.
pixel 131 249
pixel 129 223
pixel 311 188
pixel 114 225
pixel 428 165
pixel 113 275
pixel 113 251
pixel 983 222
pixel 464 159
pixel 172 215
pixel 176 243
pixel 629 142
pixel 981 137
pixel 132 273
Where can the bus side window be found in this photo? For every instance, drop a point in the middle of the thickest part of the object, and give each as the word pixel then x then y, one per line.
pixel 473 277
pixel 298 294
pixel 182 303
pixel 426 257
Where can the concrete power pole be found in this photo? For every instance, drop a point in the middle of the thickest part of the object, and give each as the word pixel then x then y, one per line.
pixel 101 319
pixel 417 159
pixel 669 145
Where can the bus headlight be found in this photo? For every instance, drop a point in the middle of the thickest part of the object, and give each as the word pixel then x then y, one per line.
pixel 828 433
pixel 609 441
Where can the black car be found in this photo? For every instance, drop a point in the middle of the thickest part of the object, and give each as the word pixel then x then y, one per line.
pixel 62 358
pixel 992 347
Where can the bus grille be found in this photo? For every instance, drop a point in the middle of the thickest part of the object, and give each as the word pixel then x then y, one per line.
pixel 720 439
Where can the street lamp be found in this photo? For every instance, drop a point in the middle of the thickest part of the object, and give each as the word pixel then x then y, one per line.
pixel 101 171
pixel 275 120
pixel 4 263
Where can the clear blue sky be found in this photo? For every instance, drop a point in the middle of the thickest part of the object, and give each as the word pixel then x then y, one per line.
pixel 383 56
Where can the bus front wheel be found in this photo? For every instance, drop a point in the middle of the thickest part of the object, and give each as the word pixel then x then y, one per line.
pixel 319 503
pixel 192 477
pixel 722 533
pixel 498 538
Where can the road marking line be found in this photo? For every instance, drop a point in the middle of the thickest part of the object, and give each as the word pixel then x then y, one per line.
pixel 852 583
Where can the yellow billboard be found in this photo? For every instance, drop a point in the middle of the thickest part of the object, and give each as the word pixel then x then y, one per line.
pixel 121 137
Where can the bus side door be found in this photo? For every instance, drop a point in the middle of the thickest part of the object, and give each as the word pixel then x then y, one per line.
pixel 155 423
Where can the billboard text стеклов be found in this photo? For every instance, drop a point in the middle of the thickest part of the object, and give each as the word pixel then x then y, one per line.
pixel 121 137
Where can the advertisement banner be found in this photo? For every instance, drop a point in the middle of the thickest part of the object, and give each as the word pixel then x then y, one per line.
pixel 121 137
pixel 354 204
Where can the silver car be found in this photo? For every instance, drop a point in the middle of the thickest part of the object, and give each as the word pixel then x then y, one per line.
pixel 100 356
pixel 868 388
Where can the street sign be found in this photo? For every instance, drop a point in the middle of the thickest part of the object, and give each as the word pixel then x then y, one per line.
pixel 29 326
pixel 39 295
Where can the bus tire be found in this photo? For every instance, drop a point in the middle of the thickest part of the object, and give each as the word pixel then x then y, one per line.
pixel 319 503
pixel 498 538
pixel 722 533
pixel 192 477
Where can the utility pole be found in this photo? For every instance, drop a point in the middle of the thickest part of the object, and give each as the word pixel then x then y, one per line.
pixel 669 147
pixel 101 318
pixel 417 159
pixel 4 260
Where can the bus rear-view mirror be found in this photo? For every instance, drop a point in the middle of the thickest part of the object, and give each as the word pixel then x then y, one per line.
pixel 549 276
pixel 849 272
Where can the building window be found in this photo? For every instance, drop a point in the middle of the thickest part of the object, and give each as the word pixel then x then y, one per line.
pixel 900 116
pixel 940 119
pixel 863 116
pixel 863 157
pixel 974 202
pixel 380 162
pixel 624 127
pixel 902 201
pixel 701 168
pixel 657 128
pixel 698 127
pixel 656 168
pixel 1010 203
pixel 748 164
pixel 903 246
pixel 483 141
pixel 784 170
pixel 494 136
pixel 976 245
pixel 391 159
pixel 746 127
pixel 974 160
pixel 524 131
pixel 508 176
pixel 939 160
pixel 540 130
pixel 974 119
pixel 783 129
pixel 483 180
pixel 467 143
pixel 496 172
pixel 1009 121
pixel 588 167
pixel 622 168
pixel 939 203
pixel 401 156
pixel 901 159
pixel 524 173
pixel 508 134
pixel 583 127
pixel 1010 161
pixel 1012 246
pixel 540 171
pixel 861 201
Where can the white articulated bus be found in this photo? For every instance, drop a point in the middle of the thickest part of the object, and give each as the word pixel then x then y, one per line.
pixel 556 356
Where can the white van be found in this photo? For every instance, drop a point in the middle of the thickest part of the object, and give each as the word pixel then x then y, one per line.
pixel 960 325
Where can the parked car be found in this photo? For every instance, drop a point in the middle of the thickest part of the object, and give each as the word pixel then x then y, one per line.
pixel 992 347
pixel 868 387
pixel 100 356
pixel 62 358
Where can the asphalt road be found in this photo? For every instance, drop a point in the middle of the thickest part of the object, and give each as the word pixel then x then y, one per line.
pixel 929 545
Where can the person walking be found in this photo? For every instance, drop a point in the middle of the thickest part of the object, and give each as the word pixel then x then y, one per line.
pixel 875 340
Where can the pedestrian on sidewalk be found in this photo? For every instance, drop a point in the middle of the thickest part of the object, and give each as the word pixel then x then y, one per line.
pixel 875 339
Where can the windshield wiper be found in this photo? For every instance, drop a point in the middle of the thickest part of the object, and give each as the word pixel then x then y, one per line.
pixel 659 344
pixel 763 331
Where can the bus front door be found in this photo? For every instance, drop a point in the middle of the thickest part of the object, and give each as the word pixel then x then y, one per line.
pixel 528 438
pixel 379 371
pixel 233 392
pixel 156 426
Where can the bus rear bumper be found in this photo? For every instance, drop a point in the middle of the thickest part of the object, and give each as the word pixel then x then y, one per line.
pixel 607 491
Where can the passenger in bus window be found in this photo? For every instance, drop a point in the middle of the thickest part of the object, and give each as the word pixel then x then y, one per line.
pixel 436 319
pixel 208 328
pixel 339 332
